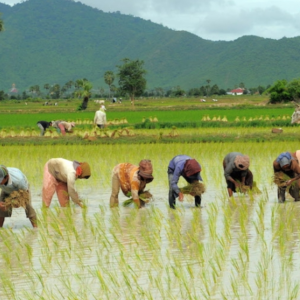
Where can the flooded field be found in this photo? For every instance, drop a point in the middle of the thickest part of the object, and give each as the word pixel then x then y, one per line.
pixel 241 248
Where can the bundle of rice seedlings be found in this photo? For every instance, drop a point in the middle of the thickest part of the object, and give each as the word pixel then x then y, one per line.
pixel 245 188
pixel 280 179
pixel 196 188
pixel 17 199
pixel 144 196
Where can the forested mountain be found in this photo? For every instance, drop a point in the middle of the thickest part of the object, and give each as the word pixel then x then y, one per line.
pixel 54 41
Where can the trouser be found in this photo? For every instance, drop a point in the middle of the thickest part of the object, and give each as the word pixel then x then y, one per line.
pixel 114 199
pixel 173 195
pixel 62 129
pixel 293 191
pixel 50 186
pixel 29 210
pixel 101 126
pixel 42 129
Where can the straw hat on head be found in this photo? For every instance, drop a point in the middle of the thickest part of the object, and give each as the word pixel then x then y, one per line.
pixel 242 162
pixel 3 172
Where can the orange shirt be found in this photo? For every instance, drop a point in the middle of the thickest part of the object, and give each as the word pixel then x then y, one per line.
pixel 129 180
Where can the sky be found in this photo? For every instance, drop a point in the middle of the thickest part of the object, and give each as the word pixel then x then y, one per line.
pixel 214 20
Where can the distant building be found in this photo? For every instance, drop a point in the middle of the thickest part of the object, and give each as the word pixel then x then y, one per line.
pixel 13 89
pixel 238 91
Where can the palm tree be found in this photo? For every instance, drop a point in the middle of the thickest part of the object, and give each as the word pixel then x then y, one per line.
pixel 109 78
pixel 1 25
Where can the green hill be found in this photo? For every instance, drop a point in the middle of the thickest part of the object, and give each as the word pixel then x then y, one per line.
pixel 54 41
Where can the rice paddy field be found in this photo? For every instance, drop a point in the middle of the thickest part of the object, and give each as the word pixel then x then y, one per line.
pixel 245 247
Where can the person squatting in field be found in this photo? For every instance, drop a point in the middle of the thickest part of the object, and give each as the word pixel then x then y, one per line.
pixel 43 125
pixel 59 176
pixel 288 163
pixel 63 126
pixel 130 178
pixel 189 169
pixel 236 172
pixel 12 179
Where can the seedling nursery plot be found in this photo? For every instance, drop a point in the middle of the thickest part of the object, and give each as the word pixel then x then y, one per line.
pixel 245 247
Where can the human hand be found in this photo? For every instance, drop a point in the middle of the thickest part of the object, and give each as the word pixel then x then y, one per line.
pixel 180 197
pixel 80 203
pixel 2 206
pixel 288 182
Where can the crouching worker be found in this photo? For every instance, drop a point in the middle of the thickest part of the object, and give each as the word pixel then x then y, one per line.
pixel 288 164
pixel 14 184
pixel 189 169
pixel 59 176
pixel 236 172
pixel 130 178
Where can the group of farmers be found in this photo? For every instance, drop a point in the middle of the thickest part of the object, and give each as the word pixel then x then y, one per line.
pixel 60 175
pixel 64 126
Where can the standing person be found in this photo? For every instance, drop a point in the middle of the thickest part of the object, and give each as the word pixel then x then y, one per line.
pixel 288 163
pixel 189 169
pixel 130 178
pixel 236 168
pixel 12 179
pixel 43 125
pixel 100 118
pixel 59 176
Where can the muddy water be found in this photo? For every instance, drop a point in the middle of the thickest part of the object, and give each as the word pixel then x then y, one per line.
pixel 244 248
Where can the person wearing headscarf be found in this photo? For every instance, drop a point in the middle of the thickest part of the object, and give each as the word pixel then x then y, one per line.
pixel 11 180
pixel 236 171
pixel 130 178
pixel 288 163
pixel 43 125
pixel 59 176
pixel 100 117
pixel 63 126
pixel 189 169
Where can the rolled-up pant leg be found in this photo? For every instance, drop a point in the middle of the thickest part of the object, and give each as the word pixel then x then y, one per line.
pixel 7 213
pixel 114 200
pixel 49 186
pixel 172 196
pixel 294 191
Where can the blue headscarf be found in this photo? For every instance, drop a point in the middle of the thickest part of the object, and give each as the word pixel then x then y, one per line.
pixel 284 158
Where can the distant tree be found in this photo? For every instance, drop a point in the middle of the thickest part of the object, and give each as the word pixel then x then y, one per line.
pixel 109 78
pixel 47 88
pixel 131 78
pixel 83 90
pixel 214 90
pixel 1 25
pixel 208 87
pixel 2 95
pixel 178 91
pixel 279 92
pixel 55 91
pixel 294 89
pixel 261 89
pixel 242 85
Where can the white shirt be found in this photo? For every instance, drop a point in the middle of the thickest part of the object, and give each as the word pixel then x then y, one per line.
pixel 100 117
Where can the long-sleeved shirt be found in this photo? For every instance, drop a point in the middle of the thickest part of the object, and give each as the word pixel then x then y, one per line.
pixel 294 168
pixel 100 117
pixel 230 166
pixel 176 167
pixel 64 170
pixel 17 181
pixel 45 124
pixel 129 180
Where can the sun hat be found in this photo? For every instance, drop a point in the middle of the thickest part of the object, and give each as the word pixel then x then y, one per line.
pixel 191 167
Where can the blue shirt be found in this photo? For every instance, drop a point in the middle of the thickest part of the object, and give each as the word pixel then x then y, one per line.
pixel 176 167
pixel 17 181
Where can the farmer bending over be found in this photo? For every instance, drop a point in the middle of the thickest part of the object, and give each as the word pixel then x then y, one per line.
pixel 59 176
pixel 236 172
pixel 288 163
pixel 63 126
pixel 43 125
pixel 130 178
pixel 13 180
pixel 189 169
